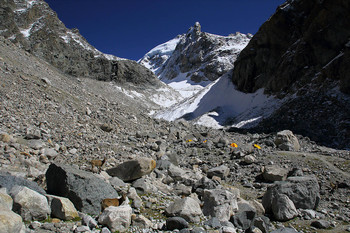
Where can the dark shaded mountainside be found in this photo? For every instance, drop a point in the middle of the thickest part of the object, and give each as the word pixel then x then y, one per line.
pixel 303 51
pixel 36 27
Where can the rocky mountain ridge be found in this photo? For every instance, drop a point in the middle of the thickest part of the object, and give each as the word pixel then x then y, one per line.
pixel 200 55
pixel 301 55
pixel 36 27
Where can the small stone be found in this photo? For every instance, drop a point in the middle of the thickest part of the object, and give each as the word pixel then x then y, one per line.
pixel 221 171
pixel 116 218
pixel 133 169
pixel 82 229
pixel 249 159
pixel 4 137
pixel 187 208
pixel 89 221
pixel 107 128
pixel 176 223
pixel 321 224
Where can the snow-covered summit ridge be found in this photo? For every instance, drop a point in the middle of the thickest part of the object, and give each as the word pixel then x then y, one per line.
pixel 203 57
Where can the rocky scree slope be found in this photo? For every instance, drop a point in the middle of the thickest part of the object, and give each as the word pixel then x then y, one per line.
pixel 49 118
pixel 36 27
pixel 200 55
pixel 302 53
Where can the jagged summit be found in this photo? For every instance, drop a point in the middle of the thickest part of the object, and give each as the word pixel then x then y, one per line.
pixel 196 56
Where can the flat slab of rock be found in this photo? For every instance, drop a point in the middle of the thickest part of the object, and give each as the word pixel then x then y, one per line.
pixel 133 169
pixel 84 189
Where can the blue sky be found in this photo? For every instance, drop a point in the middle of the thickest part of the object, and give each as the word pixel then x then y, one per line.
pixel 130 28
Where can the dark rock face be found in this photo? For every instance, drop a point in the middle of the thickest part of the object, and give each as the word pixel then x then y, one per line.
pixel 303 42
pixel 85 190
pixel 36 28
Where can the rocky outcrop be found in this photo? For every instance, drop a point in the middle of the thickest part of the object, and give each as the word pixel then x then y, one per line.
pixel 36 27
pixel 303 42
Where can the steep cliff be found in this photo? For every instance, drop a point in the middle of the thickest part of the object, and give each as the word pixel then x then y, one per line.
pixel 303 42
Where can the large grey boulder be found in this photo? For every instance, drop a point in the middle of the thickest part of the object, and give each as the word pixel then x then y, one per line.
pixel 219 203
pixel 10 222
pixel 303 191
pixel 116 218
pixel 283 208
pixel 285 140
pixel 30 204
pixel 187 208
pixel 133 169
pixel 84 189
pixel 8 181
pixel 62 208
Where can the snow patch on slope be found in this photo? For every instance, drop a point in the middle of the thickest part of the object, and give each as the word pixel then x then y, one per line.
pixel 219 102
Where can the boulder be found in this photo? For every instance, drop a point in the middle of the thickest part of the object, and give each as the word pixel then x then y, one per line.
pixel 219 203
pixel 176 172
pixel 142 222
pixel 285 140
pixel 62 208
pixel 263 223
pixel 30 204
pixel 10 222
pixel 133 169
pixel 187 208
pixel 285 230
pixel 116 218
pixel 176 223
pixel 221 171
pixel 8 181
pixel 244 217
pixel 82 188
pixel 321 224
pixel 283 208
pixel 274 173
pixel 6 201
pixel 89 221
pixel 303 191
